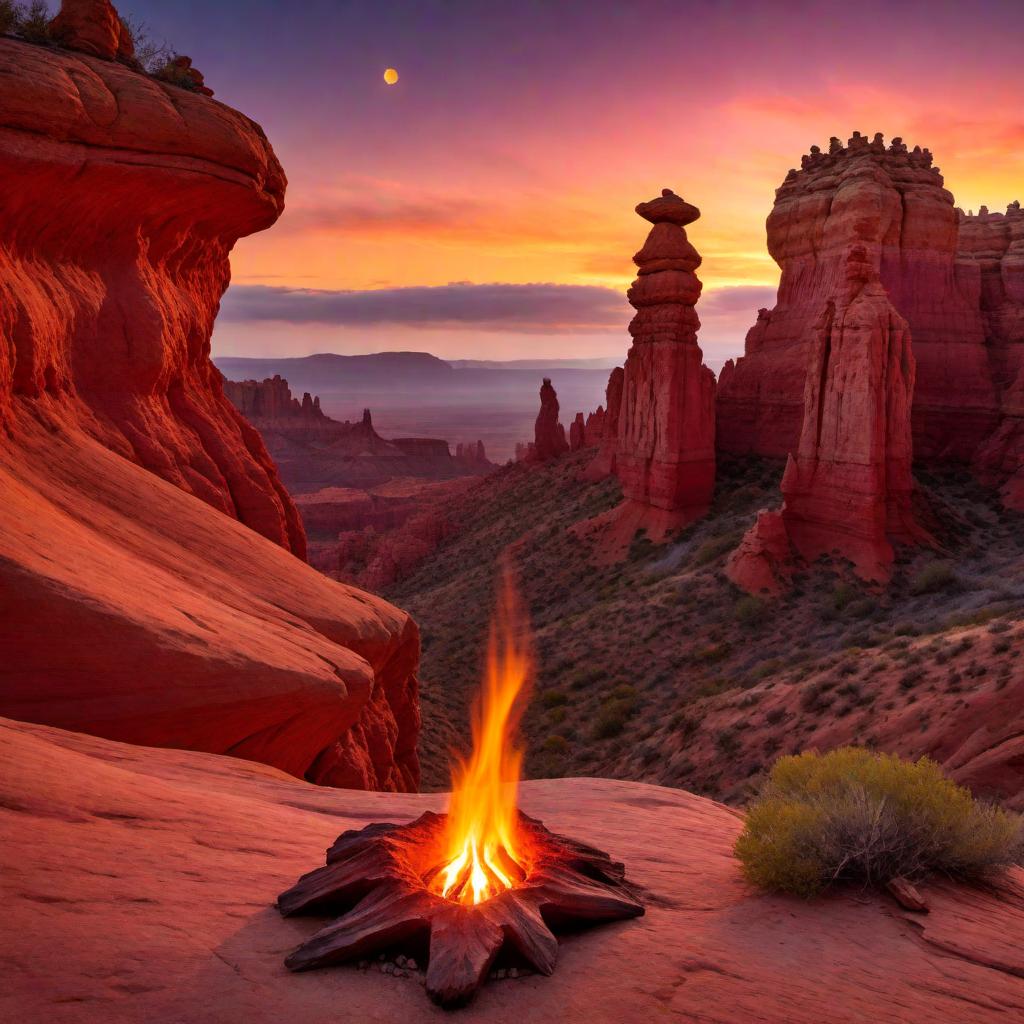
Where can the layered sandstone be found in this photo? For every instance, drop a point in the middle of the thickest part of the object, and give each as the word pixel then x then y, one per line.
pixel 138 599
pixel 665 453
pixel 991 246
pixel 847 491
pixel 892 202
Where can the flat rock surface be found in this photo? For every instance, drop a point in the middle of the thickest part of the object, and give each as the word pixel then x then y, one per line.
pixel 138 885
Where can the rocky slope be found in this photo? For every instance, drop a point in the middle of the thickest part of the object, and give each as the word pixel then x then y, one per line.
pixel 165 912
pixel 135 600
pixel 658 669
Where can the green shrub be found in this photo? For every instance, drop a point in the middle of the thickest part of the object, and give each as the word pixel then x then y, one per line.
pixel 935 576
pixel 750 611
pixel 555 745
pixel 553 698
pixel 852 815
pixel 612 719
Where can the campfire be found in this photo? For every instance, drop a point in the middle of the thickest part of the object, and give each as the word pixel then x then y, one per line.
pixel 482 879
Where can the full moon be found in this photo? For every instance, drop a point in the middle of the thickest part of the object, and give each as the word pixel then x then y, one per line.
pixel 391 76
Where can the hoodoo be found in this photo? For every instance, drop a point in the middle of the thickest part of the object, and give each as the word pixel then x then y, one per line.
pixel 549 435
pixel 848 489
pixel 665 452
pixel 138 600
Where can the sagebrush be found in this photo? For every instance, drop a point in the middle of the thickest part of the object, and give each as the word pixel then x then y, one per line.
pixel 854 815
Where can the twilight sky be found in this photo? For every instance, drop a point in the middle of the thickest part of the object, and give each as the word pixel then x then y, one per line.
pixel 483 206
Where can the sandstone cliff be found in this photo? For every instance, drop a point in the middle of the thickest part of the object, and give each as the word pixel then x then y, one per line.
pixel 892 202
pixel 135 603
pixel 991 247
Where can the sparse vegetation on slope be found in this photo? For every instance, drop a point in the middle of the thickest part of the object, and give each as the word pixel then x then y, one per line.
pixel 723 685
pixel 853 815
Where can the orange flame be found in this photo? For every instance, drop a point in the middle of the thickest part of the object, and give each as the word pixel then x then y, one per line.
pixel 483 851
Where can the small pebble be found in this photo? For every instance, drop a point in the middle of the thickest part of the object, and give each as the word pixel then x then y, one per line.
pixel 422 979
pixel 513 972
pixel 388 968
pixel 399 973
pixel 400 960
pixel 500 974
pixel 411 964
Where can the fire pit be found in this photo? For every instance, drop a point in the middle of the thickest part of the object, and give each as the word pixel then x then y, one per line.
pixel 472 881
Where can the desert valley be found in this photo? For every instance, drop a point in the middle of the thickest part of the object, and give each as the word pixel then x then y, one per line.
pixel 374 686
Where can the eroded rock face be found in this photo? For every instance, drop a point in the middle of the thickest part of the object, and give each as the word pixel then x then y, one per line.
pixel 665 455
pixel 93 27
pixel 991 248
pixel 847 490
pixel 549 434
pixel 604 462
pixel 134 603
pixel 108 326
pixel 890 201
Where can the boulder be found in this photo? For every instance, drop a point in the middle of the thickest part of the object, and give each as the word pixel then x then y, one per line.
pixel 93 27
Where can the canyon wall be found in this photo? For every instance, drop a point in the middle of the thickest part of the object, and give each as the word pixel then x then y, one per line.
pixel 136 600
pixel 892 202
pixel 991 249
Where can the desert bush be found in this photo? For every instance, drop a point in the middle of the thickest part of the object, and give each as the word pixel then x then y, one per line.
pixel 8 16
pixel 553 698
pixel 750 611
pixel 933 577
pixel 150 55
pixel 612 718
pixel 853 815
pixel 31 21
pixel 714 548
pixel 556 745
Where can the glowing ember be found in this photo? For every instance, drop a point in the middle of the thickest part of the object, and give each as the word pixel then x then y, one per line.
pixel 483 850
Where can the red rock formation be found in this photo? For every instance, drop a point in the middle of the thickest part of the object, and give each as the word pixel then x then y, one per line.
pixel 593 430
pixel 891 202
pixel 604 462
pixel 271 399
pixel 577 433
pixel 93 27
pixel 848 489
pixel 665 455
pixel 131 365
pixel 549 434
pixel 473 454
pixel 131 606
pixel 992 247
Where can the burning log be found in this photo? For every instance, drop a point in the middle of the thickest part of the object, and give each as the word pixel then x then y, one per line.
pixel 379 879
pixel 482 876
